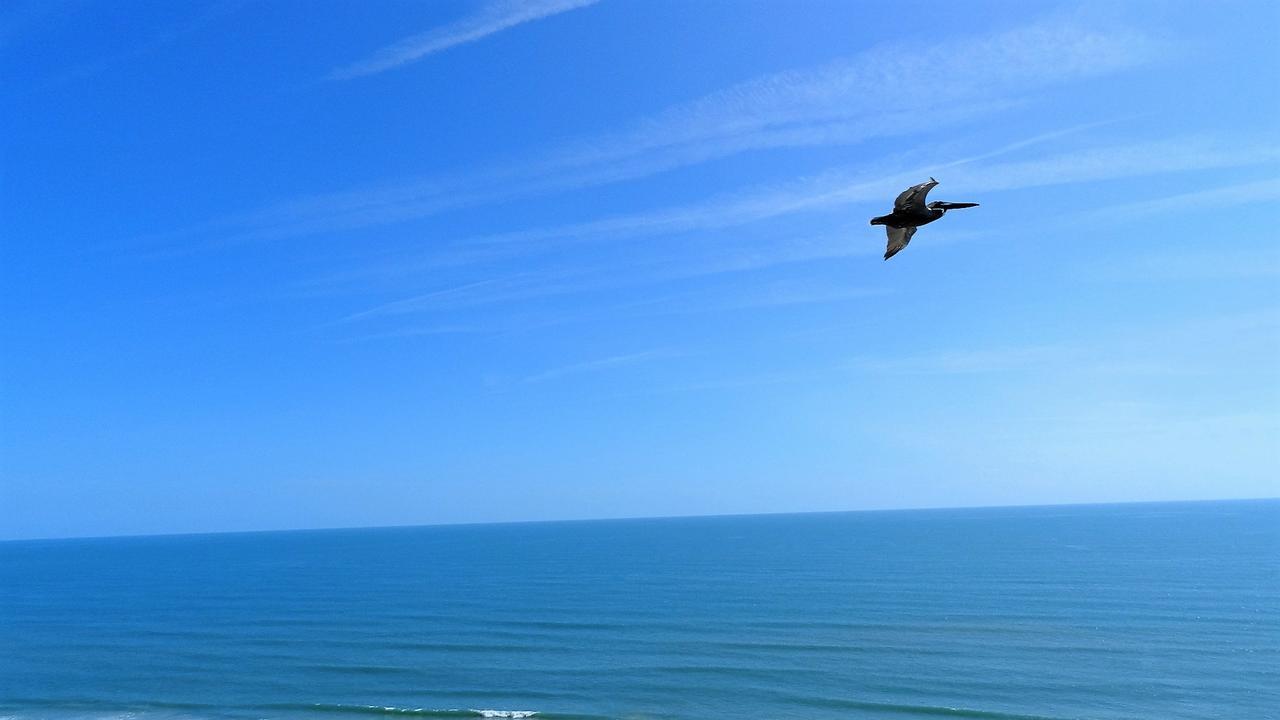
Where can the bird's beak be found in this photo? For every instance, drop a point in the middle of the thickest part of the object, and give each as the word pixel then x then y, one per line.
pixel 952 205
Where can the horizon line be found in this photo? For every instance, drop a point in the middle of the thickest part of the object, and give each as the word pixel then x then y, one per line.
pixel 623 518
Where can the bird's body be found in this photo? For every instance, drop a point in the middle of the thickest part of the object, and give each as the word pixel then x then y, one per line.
pixel 910 212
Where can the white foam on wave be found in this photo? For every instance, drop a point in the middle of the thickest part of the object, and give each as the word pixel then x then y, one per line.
pixel 499 714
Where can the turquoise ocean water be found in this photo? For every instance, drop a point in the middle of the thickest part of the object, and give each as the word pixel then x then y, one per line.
pixel 1124 611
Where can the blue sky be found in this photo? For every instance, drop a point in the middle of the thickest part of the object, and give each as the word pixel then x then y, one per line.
pixel 275 265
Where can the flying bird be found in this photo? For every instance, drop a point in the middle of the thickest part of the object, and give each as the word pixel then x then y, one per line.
pixel 910 212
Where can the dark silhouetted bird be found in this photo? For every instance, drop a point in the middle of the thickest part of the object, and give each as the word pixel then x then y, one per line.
pixel 910 212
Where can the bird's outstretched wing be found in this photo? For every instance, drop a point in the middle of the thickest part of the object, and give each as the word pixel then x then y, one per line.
pixel 898 239
pixel 912 199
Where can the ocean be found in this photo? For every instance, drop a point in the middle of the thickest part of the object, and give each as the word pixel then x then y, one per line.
pixel 1159 611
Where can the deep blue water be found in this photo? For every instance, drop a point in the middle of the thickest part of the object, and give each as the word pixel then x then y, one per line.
pixel 1122 611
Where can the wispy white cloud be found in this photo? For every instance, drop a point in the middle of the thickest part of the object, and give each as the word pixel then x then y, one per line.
pixel 416 332
pixel 1119 161
pixel 492 18
pixel 1220 263
pixel 965 362
pixel 428 300
pixel 741 382
pixel 1219 257
pixel 832 189
pixel 1261 191
pixel 892 90
pixel 1177 349
pixel 847 186
pixel 601 364
pixel 498 289
pixel 524 288
pixel 889 90
pixel 775 294
pixel 971 176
